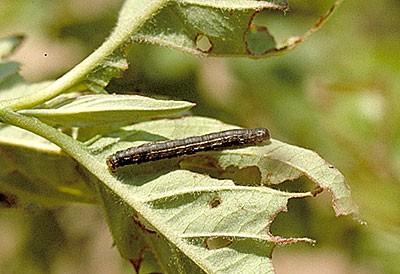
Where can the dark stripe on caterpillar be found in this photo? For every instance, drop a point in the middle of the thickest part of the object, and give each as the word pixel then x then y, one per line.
pixel 233 138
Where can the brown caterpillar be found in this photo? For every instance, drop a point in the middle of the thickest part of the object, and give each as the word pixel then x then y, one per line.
pixel 174 148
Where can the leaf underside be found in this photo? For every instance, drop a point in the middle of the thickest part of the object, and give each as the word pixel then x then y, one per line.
pixel 207 224
pixel 98 110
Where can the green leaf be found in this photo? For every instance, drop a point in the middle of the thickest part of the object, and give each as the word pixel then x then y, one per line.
pixel 208 225
pixel 99 110
pixel 112 66
pixel 9 70
pixel 23 159
pixel 205 28
pixel 276 162
pixel 9 44
pixel 214 28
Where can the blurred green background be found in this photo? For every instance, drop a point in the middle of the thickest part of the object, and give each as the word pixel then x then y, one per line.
pixel 336 94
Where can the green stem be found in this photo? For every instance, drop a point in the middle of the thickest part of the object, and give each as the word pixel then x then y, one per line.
pixel 134 15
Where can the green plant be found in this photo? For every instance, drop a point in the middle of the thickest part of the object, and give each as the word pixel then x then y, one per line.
pixel 168 210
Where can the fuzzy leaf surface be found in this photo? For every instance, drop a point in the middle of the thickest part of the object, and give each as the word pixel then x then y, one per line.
pixel 97 110
pixel 208 225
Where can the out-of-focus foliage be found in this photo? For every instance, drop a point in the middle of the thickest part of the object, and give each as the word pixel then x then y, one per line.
pixel 337 94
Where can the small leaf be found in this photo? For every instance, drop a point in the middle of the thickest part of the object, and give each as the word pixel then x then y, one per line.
pixel 201 27
pixel 98 110
pixel 112 66
pixel 9 44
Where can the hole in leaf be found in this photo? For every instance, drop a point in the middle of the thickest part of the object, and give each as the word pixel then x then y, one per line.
pixel 250 175
pixel 317 190
pixel 216 201
pixel 201 164
pixel 218 242
pixel 298 185
pixel 258 40
pixel 208 165
pixel 295 221
pixel 203 43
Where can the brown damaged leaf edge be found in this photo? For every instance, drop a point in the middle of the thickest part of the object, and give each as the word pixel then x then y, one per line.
pixel 137 263
pixel 281 241
pixel 210 240
pixel 136 220
pixel 251 26
pixel 294 41
pixel 258 29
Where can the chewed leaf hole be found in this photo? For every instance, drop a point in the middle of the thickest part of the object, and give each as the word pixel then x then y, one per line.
pixel 203 43
pixel 258 40
pixel 298 185
pixel 215 202
pixel 218 242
